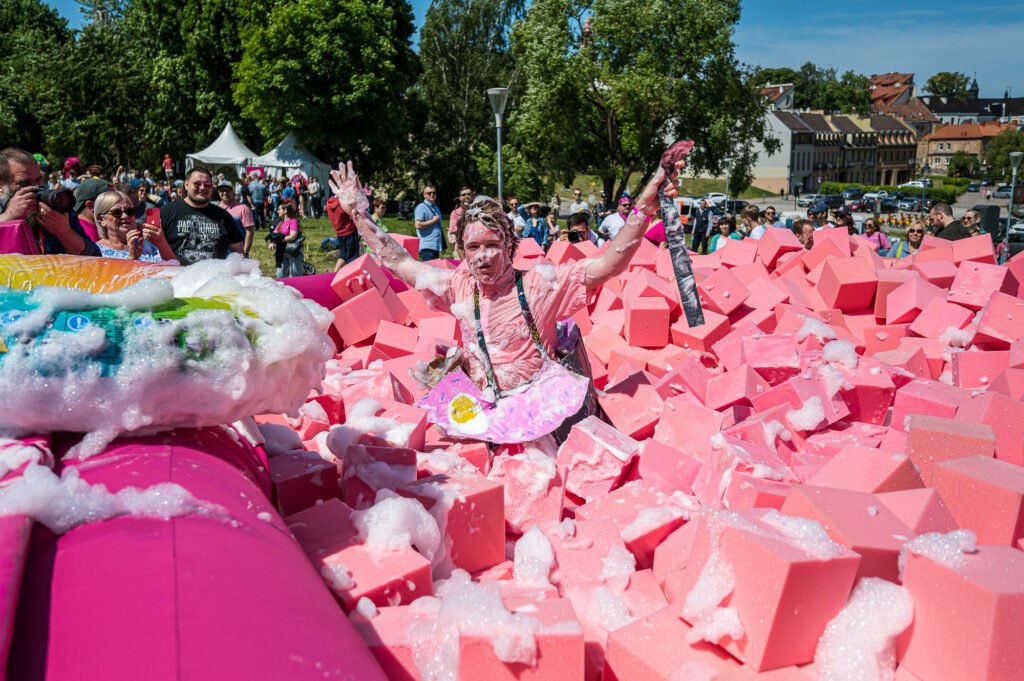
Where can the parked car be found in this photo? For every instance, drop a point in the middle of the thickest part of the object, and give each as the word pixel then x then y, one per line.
pixel 851 193
pixel 834 200
pixel 973 187
pixel 734 206
pixel 716 197
pixel 1003 191
pixel 808 199
pixel 888 205
pixel 915 204
pixel 871 196
pixel 986 182
pixel 860 206
pixel 919 184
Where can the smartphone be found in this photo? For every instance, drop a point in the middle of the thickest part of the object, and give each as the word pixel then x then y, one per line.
pixel 153 216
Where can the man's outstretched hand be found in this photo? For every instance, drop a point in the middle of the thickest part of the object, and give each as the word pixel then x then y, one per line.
pixel 345 186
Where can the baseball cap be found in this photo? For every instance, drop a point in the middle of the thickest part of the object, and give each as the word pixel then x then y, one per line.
pixel 88 191
pixel 225 185
pixel 819 207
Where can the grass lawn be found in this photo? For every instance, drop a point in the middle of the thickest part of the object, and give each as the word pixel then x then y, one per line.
pixel 316 231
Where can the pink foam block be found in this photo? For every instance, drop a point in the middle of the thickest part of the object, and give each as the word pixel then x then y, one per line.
pixel 796 391
pixel 357 318
pixel 360 275
pixel 323 526
pixel 939 315
pixel 984 597
pixel 909 299
pixel 976 281
pixel 889 281
pixel 473 513
pixel 738 386
pixel 862 469
pixel 774 244
pixel 749 491
pixel 395 340
pixel 978 369
pixel 643 516
pixel 1009 382
pixel 602 340
pixel 856 520
pixel 848 284
pixel 533 489
pixel 977 248
pixel 388 638
pixel 922 396
pixel 868 391
pixel 922 509
pixel 689 376
pixel 14 537
pixel 362 478
pixel 773 357
pixel 939 271
pixel 441 326
pixel 729 349
pixel 559 641
pixel 595 455
pixel 647 322
pixel 700 338
pixel 643 283
pixel 784 596
pixel 1005 416
pixel 1000 321
pixel 985 495
pixel 666 468
pixel 579 552
pixel 933 439
pixel 300 480
pixel 722 292
pixel 633 406
pixel 729 455
pixel 688 426
pixel 562 252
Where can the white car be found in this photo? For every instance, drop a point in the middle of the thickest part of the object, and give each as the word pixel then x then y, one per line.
pixel 871 196
pixel 715 197
pixel 809 199
pixel 917 184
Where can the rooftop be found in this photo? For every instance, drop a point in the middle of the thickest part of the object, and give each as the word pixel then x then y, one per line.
pixel 775 92
pixel 892 79
pixel 970 131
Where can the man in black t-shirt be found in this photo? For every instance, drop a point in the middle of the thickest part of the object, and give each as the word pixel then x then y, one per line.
pixel 195 228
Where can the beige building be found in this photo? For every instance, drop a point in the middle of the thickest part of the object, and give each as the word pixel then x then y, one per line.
pixel 897 150
pixel 970 138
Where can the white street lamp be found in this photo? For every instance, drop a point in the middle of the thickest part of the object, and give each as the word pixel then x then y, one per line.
pixel 1015 159
pixel 498 97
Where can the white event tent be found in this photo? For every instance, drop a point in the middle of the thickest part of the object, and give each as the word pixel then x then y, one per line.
pixel 226 150
pixel 290 157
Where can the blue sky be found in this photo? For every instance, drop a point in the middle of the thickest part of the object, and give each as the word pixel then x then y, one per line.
pixel 867 36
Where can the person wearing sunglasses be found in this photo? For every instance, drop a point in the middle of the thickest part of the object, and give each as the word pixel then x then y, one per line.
pixel 915 235
pixel 122 237
pixel 466 196
pixel 611 225
pixel 972 222
pixel 771 219
pixel 876 237
pixel 427 218
pixel 578 229
pixel 197 229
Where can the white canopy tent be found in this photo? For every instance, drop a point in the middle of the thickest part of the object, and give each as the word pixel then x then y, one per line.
pixel 226 150
pixel 290 157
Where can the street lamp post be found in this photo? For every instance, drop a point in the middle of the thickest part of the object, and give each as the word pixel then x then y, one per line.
pixel 1015 159
pixel 498 97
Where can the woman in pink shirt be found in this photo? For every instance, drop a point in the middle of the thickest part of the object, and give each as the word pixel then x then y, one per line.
pixel 508 318
pixel 876 237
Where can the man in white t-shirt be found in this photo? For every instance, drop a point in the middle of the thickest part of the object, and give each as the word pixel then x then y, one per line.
pixel 513 214
pixel 578 203
pixel 611 225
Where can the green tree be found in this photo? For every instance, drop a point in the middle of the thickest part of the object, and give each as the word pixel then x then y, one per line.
pixel 962 164
pixel 464 47
pixel 32 37
pixel 609 82
pixel 997 154
pixel 951 84
pixel 821 88
pixel 334 72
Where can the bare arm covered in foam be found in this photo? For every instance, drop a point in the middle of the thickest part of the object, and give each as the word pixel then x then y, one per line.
pixel 345 185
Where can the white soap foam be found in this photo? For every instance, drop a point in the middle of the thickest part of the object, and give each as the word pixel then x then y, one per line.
pixel 608 609
pixel 859 644
pixel 433 279
pixel 337 575
pixel 955 337
pixel 702 607
pixel 817 328
pixel 650 519
pixel 809 416
pixel 805 533
pixel 264 355
pixel 366 608
pixel 842 352
pixel 617 565
pixel 278 439
pixel 362 420
pixel 395 523
pixel 947 549
pixel 533 560
pixel 65 502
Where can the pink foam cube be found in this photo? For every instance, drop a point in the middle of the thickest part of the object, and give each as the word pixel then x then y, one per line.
pixel 387 637
pixel 977 248
pixel 647 322
pixel 984 597
pixel 863 469
pixel 906 302
pixel 301 480
pixel 856 520
pixel 562 252
pixel 783 595
pixel 773 357
pixel 934 439
pixel 1009 382
pixel 749 491
pixel 739 253
pixel 474 512
pixel 922 510
pixel 357 318
pixel 774 244
pixel 976 281
pixel 595 455
pixel 868 390
pixel 700 338
pixel 579 552
pixel 533 489
pixel 1000 321
pixel 353 571
pixel 666 468
pixel 688 426
pixel 985 495
pixel 360 275
pixel 602 340
pixel 939 271
pixel 443 327
pixel 738 386
pixel 1005 416
pixel 633 406
pixel 889 281
pixel 395 340
pixel 978 369
pixel 722 292
pixel 848 284
pixel 939 315
pixel 922 396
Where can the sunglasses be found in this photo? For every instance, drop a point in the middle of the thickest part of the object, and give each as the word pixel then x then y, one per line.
pixel 915 231
pixel 430 193
pixel 200 185
pixel 118 213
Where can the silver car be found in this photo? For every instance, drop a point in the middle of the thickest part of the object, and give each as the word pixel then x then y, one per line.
pixel 806 200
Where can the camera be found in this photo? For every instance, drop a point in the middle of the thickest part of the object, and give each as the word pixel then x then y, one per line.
pixel 576 235
pixel 60 200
